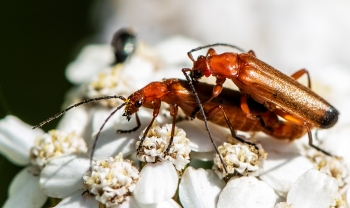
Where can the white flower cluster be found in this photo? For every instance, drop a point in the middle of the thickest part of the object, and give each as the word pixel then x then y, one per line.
pixel 332 166
pixel 156 142
pixel 96 76
pixel 240 160
pixel 35 149
pixel 111 180
pixel 104 84
pixel 53 144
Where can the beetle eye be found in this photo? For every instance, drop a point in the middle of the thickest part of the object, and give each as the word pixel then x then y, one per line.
pixel 196 74
pixel 138 103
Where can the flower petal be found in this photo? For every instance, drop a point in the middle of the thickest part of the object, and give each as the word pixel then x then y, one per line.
pixel 313 189
pixel 63 175
pixel 199 188
pixel 336 141
pixel 179 45
pixel 247 192
pixel 78 199
pixel 24 190
pixel 199 139
pixel 158 183
pixel 276 146
pixel 74 121
pixel 16 139
pixel 111 143
pixel 282 170
pixel 135 78
pixel 91 60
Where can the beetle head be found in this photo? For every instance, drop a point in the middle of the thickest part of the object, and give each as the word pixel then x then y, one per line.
pixel 133 103
pixel 200 68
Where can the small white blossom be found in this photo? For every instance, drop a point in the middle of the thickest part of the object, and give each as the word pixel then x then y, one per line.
pixel 22 145
pixel 16 139
pixel 156 143
pixel 283 165
pixel 96 76
pixel 111 180
pixel 200 188
pixel 24 190
pixel 106 83
pixel 158 183
pixel 53 144
pixel 332 166
pixel 91 59
pixel 240 159
pixel 63 177
pixel 110 143
pixel 313 189
pixel 247 192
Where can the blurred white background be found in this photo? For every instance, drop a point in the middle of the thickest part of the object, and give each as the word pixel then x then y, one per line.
pixel 289 35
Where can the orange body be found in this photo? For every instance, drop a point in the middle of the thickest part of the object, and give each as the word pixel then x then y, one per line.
pixel 268 86
pixel 177 93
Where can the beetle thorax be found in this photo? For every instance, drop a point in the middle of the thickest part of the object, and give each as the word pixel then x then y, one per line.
pixel 225 65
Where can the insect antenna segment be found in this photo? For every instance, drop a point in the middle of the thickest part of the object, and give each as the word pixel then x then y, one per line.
pixel 85 102
pixel 204 118
pixel 101 128
pixel 76 105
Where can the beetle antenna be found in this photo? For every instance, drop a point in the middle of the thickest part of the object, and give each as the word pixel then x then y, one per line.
pixel 205 119
pixel 99 132
pixel 76 105
pixel 212 45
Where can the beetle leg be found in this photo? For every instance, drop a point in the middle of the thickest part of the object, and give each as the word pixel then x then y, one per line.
pixel 301 122
pixel 246 110
pixel 301 72
pixel 145 134
pixel 156 107
pixel 314 146
pixel 216 109
pixel 188 70
pixel 138 123
pixel 173 112
pixel 216 91
pixel 204 118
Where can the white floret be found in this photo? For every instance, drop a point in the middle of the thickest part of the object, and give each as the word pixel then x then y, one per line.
pixel 55 143
pixel 111 180
pixel 332 166
pixel 240 160
pixel 156 142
